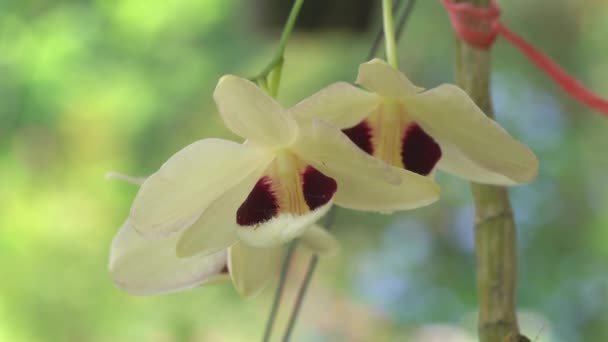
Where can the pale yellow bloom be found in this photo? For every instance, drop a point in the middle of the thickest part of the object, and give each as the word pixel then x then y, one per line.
pixel 421 130
pixel 144 266
pixel 256 196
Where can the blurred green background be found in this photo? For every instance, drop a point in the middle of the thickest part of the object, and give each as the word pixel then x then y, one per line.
pixel 92 86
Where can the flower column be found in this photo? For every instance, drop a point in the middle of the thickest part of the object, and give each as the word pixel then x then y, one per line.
pixel 495 240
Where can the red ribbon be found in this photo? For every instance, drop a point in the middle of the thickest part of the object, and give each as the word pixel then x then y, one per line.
pixel 479 27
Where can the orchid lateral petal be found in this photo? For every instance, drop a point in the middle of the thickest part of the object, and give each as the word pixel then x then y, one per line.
pixel 364 182
pixel 252 114
pixel 458 164
pixel 252 268
pixel 448 114
pixel 143 266
pixel 340 104
pixel 216 227
pixel 381 78
pixel 174 197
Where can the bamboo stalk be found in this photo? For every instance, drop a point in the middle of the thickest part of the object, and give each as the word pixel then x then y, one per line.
pixel 495 230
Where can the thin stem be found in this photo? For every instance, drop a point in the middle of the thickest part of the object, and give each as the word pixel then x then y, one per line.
pixel 279 56
pixel 329 221
pixel 274 80
pixel 404 18
pixel 378 37
pixel 279 292
pixel 495 230
pixel 296 309
pixel 389 33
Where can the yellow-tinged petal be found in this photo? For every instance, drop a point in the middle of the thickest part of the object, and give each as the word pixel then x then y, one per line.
pixel 381 78
pixel 252 268
pixel 142 266
pixel 323 143
pixel 319 241
pixel 174 197
pixel 340 104
pixel 449 115
pixel 363 193
pixel 364 182
pixel 249 112
pixel 456 163
pixel 216 227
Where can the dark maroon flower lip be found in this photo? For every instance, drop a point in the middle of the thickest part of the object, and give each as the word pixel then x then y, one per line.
pixel 361 135
pixel 262 203
pixel 318 189
pixel 224 269
pixel 260 206
pixel 419 151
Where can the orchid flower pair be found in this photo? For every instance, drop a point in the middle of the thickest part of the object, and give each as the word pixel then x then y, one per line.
pixel 219 207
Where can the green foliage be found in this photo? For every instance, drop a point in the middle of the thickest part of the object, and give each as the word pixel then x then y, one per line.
pixel 92 86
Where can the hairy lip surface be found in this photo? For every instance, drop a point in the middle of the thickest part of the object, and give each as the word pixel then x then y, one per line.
pixel 260 205
pixel 318 189
pixel 419 152
pixel 263 204
pixel 361 135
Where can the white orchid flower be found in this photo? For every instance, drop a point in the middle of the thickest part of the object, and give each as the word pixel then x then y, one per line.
pixel 144 266
pixel 419 130
pixel 254 197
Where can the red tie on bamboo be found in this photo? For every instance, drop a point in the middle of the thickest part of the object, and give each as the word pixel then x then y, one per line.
pixel 479 27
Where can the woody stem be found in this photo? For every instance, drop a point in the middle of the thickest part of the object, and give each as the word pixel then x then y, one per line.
pixel 495 230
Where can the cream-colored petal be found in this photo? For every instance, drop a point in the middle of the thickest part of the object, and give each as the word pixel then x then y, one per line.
pixel 249 112
pixel 340 104
pixel 456 163
pixel 364 183
pixel 142 266
pixel 281 229
pixel 368 194
pixel 321 143
pixel 113 175
pixel 381 78
pixel 216 227
pixel 252 268
pixel 319 241
pixel 449 115
pixel 174 197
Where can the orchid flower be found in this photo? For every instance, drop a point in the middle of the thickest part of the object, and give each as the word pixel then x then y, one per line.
pixel 421 130
pixel 150 266
pixel 256 196
pixel 144 266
